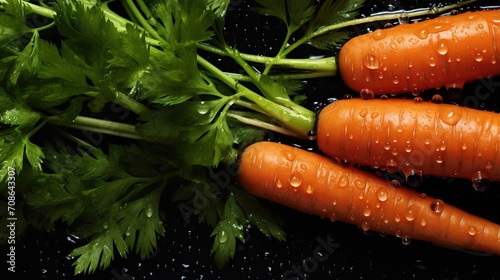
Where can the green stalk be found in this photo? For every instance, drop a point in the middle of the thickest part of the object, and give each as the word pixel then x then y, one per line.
pixel 130 103
pixel 383 17
pixel 299 120
pixel 280 52
pixel 291 76
pixel 241 117
pixel 125 101
pixel 295 118
pixel 326 64
pixel 141 19
pixel 102 126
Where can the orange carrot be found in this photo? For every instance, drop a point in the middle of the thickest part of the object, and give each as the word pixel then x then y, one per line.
pixel 314 184
pixel 414 137
pixel 446 51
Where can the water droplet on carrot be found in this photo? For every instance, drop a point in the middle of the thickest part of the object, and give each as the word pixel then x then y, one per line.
pixel 472 230
pixel 366 94
pixel 418 99
pixel 379 34
pixel 365 226
pixel 367 212
pixel 411 213
pixel 406 240
pixel 387 145
pixel 423 222
pixel 343 181
pixel 432 61
pixel 334 202
pixel 360 184
pixel 423 196
pixel 439 159
pixel 290 156
pixel 479 56
pixel 404 18
pixel 399 129
pixel 309 189
pixel 437 206
pixel 423 34
pixel 295 180
pixel 396 183
pixel 279 184
pixel 382 194
pixel 450 115
pixel 324 209
pixel 363 113
pixel 437 98
pixel 347 96
pixel 442 146
pixel 442 47
pixel 371 62
pixel 397 218
pixel 393 46
pixel 480 181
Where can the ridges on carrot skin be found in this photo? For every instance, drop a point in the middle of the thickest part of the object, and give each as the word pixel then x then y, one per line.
pixel 347 194
pixel 413 137
pixel 447 51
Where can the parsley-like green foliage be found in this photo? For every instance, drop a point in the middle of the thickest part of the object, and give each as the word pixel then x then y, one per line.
pixel 294 13
pixel 332 12
pixel 302 13
pixel 98 195
pixel 173 116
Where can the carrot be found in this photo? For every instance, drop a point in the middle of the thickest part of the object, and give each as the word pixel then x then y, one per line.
pixel 314 184
pixel 446 51
pixel 414 137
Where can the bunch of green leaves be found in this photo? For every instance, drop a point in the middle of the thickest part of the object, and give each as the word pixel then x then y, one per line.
pixel 99 196
pixel 303 14
pixel 179 114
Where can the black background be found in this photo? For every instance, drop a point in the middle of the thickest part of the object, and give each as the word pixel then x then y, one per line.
pixel 184 252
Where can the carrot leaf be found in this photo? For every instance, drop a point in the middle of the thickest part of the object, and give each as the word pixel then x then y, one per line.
pixel 332 12
pixel 293 13
pixel 270 225
pixel 228 230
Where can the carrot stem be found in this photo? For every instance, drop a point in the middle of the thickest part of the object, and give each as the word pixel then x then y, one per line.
pixel 295 118
pixel 381 17
pixel 326 65
pixel 250 120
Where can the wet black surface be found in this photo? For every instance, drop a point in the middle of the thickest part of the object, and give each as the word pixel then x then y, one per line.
pixel 315 248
